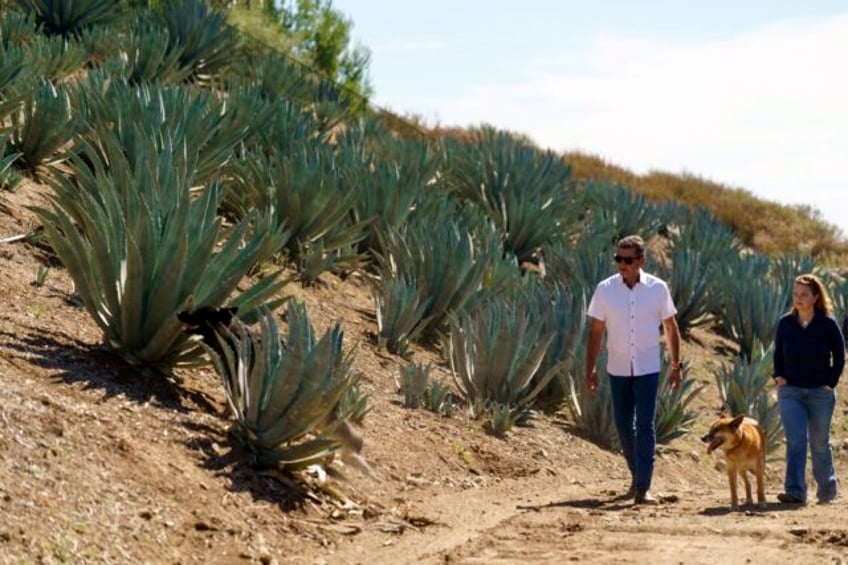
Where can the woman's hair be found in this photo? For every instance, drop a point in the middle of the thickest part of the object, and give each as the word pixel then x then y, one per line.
pixel 818 289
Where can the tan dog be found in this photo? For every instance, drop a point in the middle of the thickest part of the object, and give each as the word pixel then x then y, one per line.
pixel 744 444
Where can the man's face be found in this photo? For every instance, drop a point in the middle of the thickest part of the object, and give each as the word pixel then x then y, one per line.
pixel 628 262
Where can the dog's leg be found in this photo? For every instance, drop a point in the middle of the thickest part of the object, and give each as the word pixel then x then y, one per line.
pixel 761 489
pixel 732 476
pixel 749 501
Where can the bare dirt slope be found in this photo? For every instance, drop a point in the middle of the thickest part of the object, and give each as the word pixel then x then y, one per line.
pixel 98 465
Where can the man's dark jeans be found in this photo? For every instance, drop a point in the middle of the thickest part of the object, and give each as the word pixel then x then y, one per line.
pixel 634 405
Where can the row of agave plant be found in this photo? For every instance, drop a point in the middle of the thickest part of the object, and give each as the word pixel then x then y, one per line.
pixel 178 168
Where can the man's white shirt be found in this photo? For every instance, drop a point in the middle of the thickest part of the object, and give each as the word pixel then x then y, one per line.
pixel 633 318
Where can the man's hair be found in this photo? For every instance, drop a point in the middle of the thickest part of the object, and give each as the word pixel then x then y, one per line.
pixel 634 242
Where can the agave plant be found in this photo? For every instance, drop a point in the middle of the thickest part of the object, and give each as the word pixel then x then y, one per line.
pixel 626 211
pixel 206 42
pixel 390 176
pixel 306 192
pixel 43 126
pixel 275 77
pixel 56 58
pixel 16 28
pixel 15 75
pixel 591 413
pixel 743 387
pixel 284 395
pixel 752 303
pixel 210 125
pixel 415 379
pixel 499 418
pixel 785 267
pixel 354 405
pixel 495 351
pixel 700 245
pixel 563 313
pixel 838 290
pixel 8 177
pixel 582 265
pixel 694 284
pixel 400 311
pixel 140 249
pixel 148 55
pixel 443 264
pixel 698 229
pixel 524 191
pixel 674 417
pixel 70 17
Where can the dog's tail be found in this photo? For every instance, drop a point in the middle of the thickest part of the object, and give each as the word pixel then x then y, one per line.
pixel 351 445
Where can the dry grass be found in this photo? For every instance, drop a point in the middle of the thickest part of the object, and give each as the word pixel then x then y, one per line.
pixel 766 226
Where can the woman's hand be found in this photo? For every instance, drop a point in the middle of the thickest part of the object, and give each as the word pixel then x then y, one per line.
pixel 779 381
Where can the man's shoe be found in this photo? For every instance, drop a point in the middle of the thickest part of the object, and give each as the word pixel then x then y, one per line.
pixel 631 492
pixel 645 497
pixel 787 498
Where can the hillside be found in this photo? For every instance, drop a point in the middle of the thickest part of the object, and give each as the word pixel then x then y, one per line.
pixel 153 163
pixel 99 466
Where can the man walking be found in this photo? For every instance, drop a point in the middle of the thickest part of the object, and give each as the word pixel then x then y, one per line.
pixel 630 307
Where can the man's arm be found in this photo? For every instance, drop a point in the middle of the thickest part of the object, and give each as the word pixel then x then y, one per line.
pixel 593 349
pixel 672 340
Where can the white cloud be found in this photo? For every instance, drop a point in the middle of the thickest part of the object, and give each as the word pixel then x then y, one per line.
pixel 764 110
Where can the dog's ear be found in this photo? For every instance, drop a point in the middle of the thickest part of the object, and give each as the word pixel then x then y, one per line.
pixel 737 421
pixel 209 315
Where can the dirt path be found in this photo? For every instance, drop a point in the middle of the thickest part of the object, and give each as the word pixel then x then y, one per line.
pixel 539 521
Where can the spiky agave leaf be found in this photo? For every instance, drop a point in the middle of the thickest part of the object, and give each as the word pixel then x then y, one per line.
pixel 70 17
pixel 284 395
pixel 674 417
pixel 43 125
pixel 140 249
pixel 495 351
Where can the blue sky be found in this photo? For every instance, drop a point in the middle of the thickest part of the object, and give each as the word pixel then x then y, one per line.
pixel 748 93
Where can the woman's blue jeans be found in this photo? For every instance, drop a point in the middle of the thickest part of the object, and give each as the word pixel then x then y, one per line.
pixel 806 414
pixel 634 405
